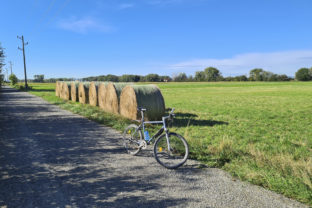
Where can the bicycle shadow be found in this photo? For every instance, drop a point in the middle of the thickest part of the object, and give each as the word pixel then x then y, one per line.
pixel 183 122
pixel 190 119
pixel 186 115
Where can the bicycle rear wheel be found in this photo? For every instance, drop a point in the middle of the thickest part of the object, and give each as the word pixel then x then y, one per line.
pixel 172 157
pixel 132 138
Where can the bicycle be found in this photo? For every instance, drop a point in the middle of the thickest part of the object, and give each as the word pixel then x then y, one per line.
pixel 170 149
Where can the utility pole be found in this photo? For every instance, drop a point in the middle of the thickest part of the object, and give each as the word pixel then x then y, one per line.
pixel 10 62
pixel 7 75
pixel 23 49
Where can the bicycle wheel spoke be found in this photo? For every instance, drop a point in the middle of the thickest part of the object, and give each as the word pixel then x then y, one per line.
pixel 174 156
pixel 131 139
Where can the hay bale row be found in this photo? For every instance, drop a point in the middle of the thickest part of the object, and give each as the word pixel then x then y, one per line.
pixel 117 98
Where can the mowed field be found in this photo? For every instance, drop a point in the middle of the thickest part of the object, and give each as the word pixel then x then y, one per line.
pixel 260 132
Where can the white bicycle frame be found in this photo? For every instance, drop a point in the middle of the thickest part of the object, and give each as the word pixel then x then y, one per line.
pixel 164 127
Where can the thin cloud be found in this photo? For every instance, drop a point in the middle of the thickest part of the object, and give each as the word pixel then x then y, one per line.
pixel 164 2
pixel 155 2
pixel 83 25
pixel 125 6
pixel 284 62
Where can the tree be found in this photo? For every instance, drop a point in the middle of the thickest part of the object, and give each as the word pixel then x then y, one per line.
pixel 152 78
pixel 200 76
pixel 190 78
pixel 165 78
pixel 212 74
pixel 39 78
pixel 111 78
pixel 283 77
pixel 241 78
pixel 268 76
pixel 13 79
pixel 256 74
pixel 180 78
pixel 2 56
pixel 303 74
pixel 1 79
pixel 129 78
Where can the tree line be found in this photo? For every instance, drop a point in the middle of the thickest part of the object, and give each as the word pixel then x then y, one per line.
pixel 212 74
pixel 209 74
pixel 130 78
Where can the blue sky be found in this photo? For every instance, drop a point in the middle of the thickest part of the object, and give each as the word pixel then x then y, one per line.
pixel 80 38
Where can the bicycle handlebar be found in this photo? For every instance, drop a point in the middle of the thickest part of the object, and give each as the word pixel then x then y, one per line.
pixel 171 114
pixel 141 109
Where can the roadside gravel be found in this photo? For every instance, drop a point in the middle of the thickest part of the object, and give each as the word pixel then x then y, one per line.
pixel 50 157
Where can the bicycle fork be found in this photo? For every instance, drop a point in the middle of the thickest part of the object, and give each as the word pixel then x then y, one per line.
pixel 168 142
pixel 167 135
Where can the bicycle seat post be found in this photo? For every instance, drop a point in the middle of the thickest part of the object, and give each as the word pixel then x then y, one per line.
pixel 142 115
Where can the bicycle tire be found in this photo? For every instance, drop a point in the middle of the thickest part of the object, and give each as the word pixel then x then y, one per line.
pixel 176 156
pixel 132 136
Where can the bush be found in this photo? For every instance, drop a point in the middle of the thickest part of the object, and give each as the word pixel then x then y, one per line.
pixel 13 79
pixel 1 79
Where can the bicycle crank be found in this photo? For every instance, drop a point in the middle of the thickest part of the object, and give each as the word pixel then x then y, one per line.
pixel 143 144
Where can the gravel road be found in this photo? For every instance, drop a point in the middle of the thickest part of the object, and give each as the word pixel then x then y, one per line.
pixel 50 157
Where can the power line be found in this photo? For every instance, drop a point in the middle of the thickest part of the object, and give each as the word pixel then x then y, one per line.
pixel 23 49
pixel 48 10
pixel 66 2
pixel 43 16
pixel 36 27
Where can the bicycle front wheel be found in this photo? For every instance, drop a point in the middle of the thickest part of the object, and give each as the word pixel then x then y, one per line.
pixel 132 137
pixel 171 152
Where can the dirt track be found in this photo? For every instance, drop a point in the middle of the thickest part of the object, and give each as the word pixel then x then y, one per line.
pixel 52 158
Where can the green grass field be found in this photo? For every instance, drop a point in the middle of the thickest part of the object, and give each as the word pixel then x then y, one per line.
pixel 259 132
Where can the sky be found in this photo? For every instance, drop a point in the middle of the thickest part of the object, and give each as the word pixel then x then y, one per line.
pixel 81 38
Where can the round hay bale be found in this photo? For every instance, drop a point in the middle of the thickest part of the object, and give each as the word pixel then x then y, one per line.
pixel 61 90
pixel 57 88
pixel 93 93
pixel 83 92
pixel 101 94
pixel 74 91
pixel 112 97
pixel 66 91
pixel 146 96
